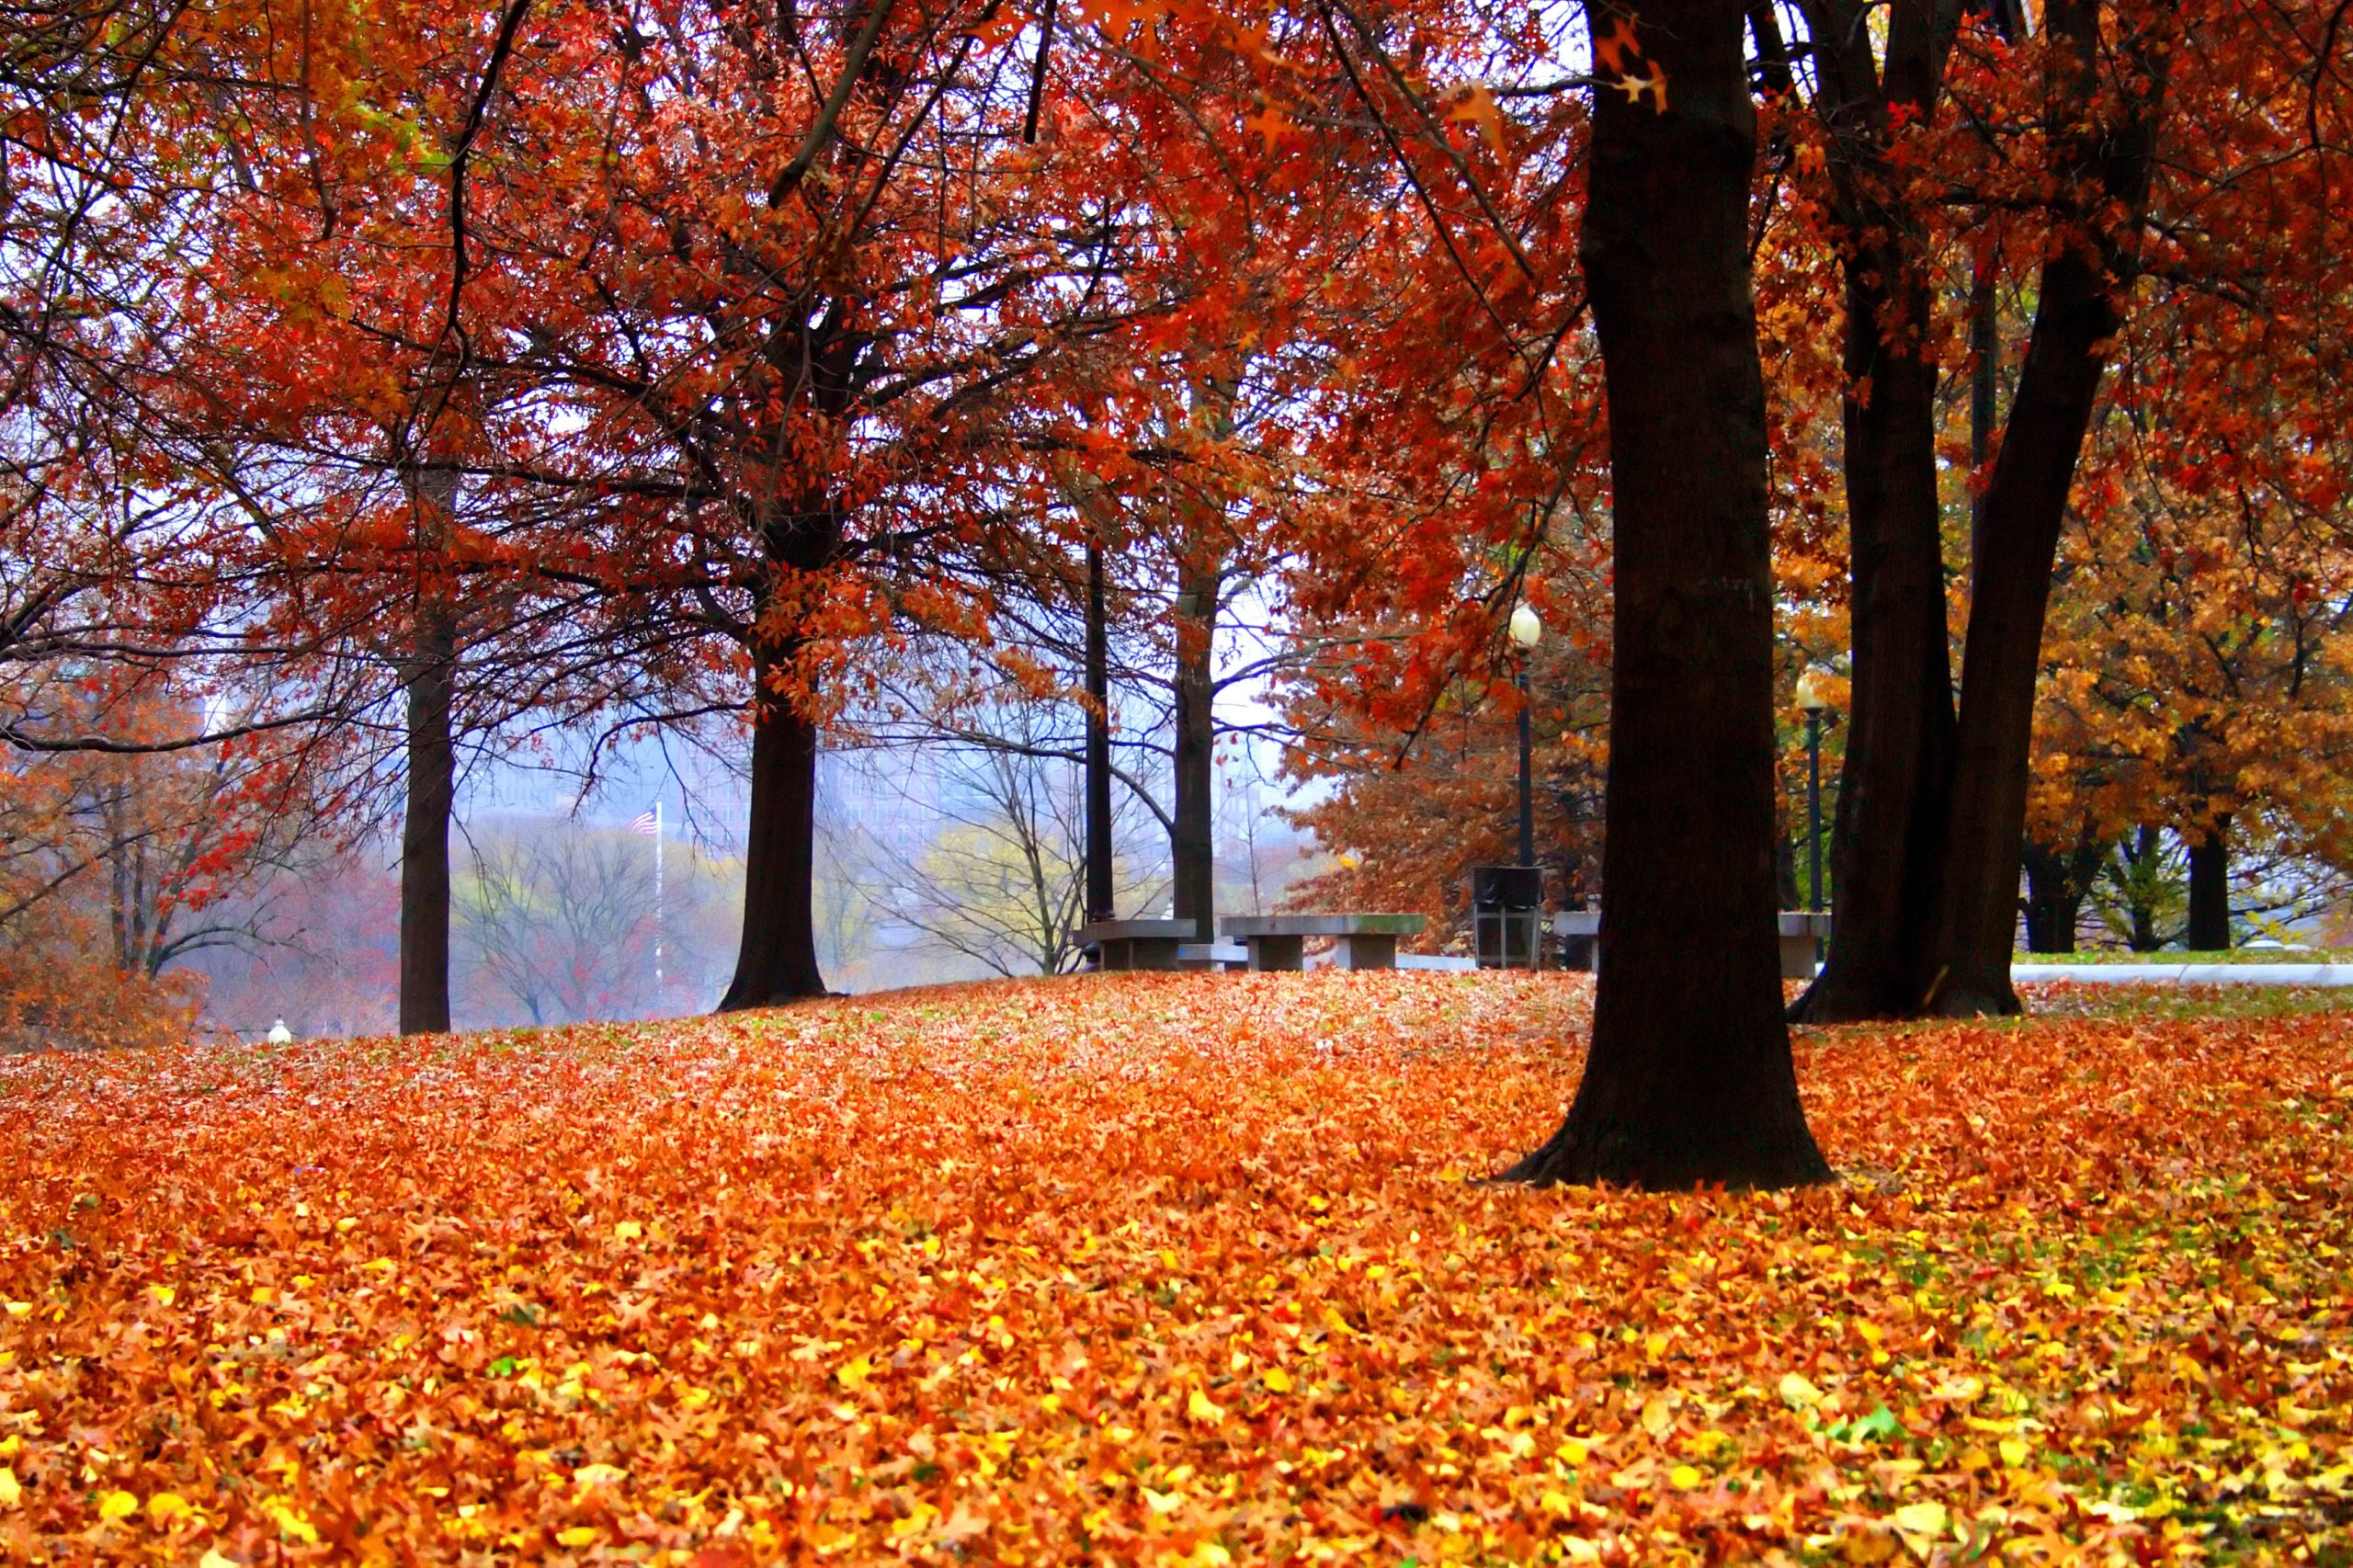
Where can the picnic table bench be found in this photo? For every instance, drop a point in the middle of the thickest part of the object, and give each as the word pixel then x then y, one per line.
pixel 1361 941
pixel 1139 944
pixel 1799 930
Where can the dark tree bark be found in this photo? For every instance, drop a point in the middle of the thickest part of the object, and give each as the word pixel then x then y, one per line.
pixel 1984 385
pixel 1099 892
pixel 2140 856
pixel 1933 804
pixel 1690 1080
pixel 424 829
pixel 429 685
pixel 777 960
pixel 2078 312
pixel 2210 889
pixel 2057 881
pixel 1888 834
pixel 1192 840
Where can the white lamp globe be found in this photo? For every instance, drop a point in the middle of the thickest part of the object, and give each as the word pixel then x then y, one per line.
pixel 1526 629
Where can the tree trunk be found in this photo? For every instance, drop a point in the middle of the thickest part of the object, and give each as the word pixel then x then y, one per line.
pixel 1888 834
pixel 1100 895
pixel 430 683
pixel 1690 1080
pixel 1889 827
pixel 2210 889
pixel 1932 807
pixel 2078 312
pixel 1192 840
pixel 2141 858
pixel 2057 881
pixel 2025 506
pixel 777 960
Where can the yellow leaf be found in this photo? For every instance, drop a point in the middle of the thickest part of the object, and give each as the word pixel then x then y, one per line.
pixel 213 1559
pixel 1201 1408
pixel 1684 1477
pixel 1277 1379
pixel 1798 1393
pixel 163 1294
pixel 1927 1519
pixel 11 1491
pixel 1163 1502
pixel 1210 1554
pixel 577 1535
pixel 628 1231
pixel 852 1375
pixel 291 1520
pixel 1559 1502
pixel 165 1506
pixel 598 1475
pixel 2015 1453
pixel 19 1309
pixel 116 1505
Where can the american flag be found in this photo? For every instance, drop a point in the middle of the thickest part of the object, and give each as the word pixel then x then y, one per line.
pixel 646 823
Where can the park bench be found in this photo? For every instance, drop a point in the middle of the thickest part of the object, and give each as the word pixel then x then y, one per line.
pixel 1212 955
pixel 1580 934
pixel 1139 944
pixel 1361 941
pixel 1799 930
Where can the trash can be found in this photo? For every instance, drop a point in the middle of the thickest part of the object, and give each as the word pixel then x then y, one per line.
pixel 1507 916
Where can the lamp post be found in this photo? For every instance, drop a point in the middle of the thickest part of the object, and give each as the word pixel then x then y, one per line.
pixel 1811 702
pixel 1527 630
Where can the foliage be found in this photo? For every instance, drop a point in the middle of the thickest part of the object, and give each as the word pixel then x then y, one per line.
pixel 115 866
pixel 1167 1268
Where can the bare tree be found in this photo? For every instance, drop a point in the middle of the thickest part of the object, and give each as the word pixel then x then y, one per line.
pixel 558 919
pixel 1000 876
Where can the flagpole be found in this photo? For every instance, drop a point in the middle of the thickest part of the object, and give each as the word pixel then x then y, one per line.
pixel 657 904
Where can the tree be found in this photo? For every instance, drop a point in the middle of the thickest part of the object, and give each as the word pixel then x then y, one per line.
pixel 558 920
pixel 1000 875
pixel 2091 161
pixel 1411 810
pixel 1689 1079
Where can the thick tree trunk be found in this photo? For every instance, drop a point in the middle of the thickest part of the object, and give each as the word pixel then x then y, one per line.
pixel 429 682
pixel 424 827
pixel 1888 836
pixel 2210 889
pixel 2057 881
pixel 1889 830
pixel 2026 502
pixel 1933 805
pixel 1100 905
pixel 777 960
pixel 1192 840
pixel 1690 1080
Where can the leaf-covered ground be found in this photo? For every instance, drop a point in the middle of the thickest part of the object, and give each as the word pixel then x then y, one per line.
pixel 1180 1268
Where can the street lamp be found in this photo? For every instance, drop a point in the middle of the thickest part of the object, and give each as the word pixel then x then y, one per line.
pixel 1811 702
pixel 1527 630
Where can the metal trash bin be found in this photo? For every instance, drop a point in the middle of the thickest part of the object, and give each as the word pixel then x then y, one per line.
pixel 1507 916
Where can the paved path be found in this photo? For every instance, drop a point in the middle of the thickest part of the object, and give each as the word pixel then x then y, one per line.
pixel 2185 973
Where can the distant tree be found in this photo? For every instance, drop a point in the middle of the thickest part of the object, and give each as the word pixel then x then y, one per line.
pixel 998 875
pixel 556 919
